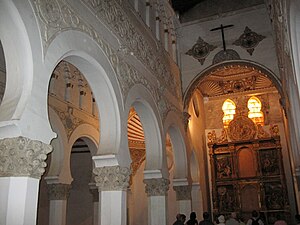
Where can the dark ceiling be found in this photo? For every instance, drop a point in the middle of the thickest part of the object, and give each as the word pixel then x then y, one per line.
pixel 182 6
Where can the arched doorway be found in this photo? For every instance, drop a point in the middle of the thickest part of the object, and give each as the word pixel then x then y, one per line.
pixel 244 139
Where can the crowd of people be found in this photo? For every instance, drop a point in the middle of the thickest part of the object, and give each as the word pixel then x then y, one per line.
pixel 232 220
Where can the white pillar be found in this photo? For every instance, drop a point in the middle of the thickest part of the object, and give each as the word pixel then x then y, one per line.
pixel 112 182
pixel 18 200
pixel 183 198
pixel 113 207
pixel 157 189
pixel 58 196
pixel 197 201
pixel 21 166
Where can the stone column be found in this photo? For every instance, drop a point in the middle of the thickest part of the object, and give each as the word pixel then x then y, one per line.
pixel 157 190
pixel 183 198
pixel 95 193
pixel 58 196
pixel 197 201
pixel 112 183
pixel 22 163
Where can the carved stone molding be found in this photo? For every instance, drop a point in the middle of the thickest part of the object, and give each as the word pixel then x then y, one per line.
pixel 95 194
pixel 182 192
pixel 200 50
pixel 112 13
pixel 64 18
pixel 23 157
pixel 157 187
pixel 112 178
pixel 59 191
pixel 249 40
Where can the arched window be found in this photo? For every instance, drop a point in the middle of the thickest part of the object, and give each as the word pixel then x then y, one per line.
pixel 229 111
pixel 255 113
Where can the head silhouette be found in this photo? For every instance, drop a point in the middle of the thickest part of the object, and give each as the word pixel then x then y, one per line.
pixel 193 215
pixel 206 215
pixel 254 213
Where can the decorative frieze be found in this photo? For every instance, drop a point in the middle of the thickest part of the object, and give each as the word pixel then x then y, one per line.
pixel 182 192
pixel 111 12
pixel 112 178
pixel 56 16
pixel 157 187
pixel 22 157
pixel 59 191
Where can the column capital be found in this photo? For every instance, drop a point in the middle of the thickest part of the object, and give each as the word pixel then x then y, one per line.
pixel 112 178
pixel 183 192
pixel 23 157
pixel 157 186
pixel 59 191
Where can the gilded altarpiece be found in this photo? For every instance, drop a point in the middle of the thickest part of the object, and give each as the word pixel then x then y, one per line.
pixel 247 171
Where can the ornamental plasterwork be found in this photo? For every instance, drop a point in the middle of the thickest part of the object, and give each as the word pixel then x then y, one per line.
pixel 112 13
pixel 68 119
pixel 200 50
pixel 182 192
pixel 249 40
pixel 138 156
pixel 112 178
pixel 157 187
pixel 58 191
pixel 22 157
pixel 56 16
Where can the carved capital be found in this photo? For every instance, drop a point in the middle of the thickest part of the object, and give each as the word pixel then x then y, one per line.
pixel 157 187
pixel 59 191
pixel 23 157
pixel 183 192
pixel 112 178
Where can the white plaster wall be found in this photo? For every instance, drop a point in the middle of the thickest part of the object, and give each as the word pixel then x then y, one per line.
pixel 173 208
pixel 257 20
pixel 196 128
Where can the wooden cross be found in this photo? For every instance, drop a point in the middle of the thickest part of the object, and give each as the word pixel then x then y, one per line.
pixel 222 31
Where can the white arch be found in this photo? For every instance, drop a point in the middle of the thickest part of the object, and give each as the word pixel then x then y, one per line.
pixel 60 157
pixel 80 50
pixel 176 132
pixel 21 43
pixel 89 134
pixel 146 108
pixel 19 61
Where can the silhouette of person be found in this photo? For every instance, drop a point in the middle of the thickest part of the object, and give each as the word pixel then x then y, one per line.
pixel 206 219
pixel 192 220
